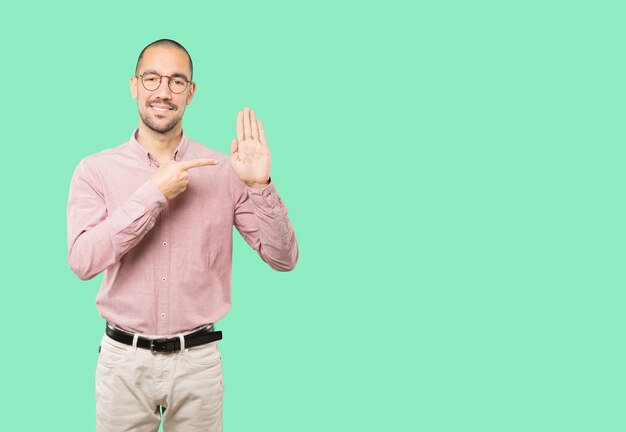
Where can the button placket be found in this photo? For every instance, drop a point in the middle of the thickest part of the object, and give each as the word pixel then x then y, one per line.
pixel 163 271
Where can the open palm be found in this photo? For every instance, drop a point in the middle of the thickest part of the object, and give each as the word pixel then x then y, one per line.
pixel 249 154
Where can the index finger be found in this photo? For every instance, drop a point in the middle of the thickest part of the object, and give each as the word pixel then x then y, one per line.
pixel 197 163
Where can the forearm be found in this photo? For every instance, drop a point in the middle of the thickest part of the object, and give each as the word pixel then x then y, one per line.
pixel 276 241
pixel 96 246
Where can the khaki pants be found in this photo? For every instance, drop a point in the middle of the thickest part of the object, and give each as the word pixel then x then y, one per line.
pixel 133 385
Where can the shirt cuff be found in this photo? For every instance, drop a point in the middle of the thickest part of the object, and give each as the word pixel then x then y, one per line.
pixel 267 196
pixel 147 201
pixel 151 197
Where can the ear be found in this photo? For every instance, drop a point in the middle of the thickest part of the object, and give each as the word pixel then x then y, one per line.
pixel 192 90
pixel 133 86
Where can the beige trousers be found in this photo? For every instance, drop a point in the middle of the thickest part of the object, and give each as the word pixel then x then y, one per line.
pixel 135 387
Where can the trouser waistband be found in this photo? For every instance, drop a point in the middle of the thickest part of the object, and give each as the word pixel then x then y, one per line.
pixel 200 337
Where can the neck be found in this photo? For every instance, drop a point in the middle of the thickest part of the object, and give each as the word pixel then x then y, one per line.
pixel 160 145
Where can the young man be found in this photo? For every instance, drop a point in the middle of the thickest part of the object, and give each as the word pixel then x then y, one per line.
pixel 156 215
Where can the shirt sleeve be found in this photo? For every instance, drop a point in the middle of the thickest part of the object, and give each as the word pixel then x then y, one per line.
pixel 261 219
pixel 97 239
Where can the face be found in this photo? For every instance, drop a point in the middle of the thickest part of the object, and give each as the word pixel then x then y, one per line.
pixel 162 110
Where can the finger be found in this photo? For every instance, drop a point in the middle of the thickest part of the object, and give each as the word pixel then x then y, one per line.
pixel 240 125
pixel 262 133
pixel 197 163
pixel 255 128
pixel 246 124
pixel 234 149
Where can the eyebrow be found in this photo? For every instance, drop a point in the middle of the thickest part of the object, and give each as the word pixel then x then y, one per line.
pixel 175 74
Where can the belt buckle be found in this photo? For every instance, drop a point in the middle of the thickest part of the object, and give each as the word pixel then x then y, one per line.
pixel 161 341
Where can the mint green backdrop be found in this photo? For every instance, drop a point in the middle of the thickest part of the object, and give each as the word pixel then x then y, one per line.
pixel 454 172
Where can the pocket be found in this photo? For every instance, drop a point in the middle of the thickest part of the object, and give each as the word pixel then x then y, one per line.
pixel 112 352
pixel 204 355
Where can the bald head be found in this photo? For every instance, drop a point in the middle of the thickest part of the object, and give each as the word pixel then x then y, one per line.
pixel 165 43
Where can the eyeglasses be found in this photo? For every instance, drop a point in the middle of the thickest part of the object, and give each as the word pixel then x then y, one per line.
pixel 152 81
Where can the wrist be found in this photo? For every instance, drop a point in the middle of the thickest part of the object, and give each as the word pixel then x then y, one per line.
pixel 256 185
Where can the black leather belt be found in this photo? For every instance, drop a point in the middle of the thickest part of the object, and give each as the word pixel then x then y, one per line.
pixel 200 337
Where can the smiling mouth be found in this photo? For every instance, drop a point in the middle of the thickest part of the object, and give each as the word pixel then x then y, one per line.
pixel 161 110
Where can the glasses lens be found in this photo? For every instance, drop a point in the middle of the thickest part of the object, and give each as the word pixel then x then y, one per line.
pixel 178 85
pixel 151 81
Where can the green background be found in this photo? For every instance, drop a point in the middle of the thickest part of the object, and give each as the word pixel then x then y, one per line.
pixel 454 174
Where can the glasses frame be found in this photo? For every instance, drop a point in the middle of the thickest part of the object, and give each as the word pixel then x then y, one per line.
pixel 169 81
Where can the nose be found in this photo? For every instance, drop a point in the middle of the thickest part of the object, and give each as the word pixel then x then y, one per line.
pixel 164 91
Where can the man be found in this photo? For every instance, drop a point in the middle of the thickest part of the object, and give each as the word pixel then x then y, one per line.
pixel 156 215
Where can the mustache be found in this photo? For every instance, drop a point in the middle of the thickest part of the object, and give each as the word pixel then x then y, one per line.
pixel 160 102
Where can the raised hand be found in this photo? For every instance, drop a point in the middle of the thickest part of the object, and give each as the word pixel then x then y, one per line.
pixel 172 177
pixel 249 154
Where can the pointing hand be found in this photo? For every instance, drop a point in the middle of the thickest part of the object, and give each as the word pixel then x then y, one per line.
pixel 172 177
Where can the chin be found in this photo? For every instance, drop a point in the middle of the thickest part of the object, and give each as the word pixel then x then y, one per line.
pixel 158 124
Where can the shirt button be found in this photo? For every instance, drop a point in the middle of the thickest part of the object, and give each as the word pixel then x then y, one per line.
pixel 164 243
pixel 162 315
pixel 163 278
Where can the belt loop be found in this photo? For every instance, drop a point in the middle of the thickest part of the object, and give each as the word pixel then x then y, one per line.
pixel 135 337
pixel 182 342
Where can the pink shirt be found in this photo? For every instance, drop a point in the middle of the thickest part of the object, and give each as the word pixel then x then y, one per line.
pixel 167 264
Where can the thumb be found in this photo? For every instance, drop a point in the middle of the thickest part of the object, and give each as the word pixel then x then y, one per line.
pixel 234 148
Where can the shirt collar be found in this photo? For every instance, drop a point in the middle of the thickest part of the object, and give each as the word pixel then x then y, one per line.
pixel 145 156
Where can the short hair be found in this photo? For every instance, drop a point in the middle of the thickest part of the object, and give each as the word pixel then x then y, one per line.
pixel 167 43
